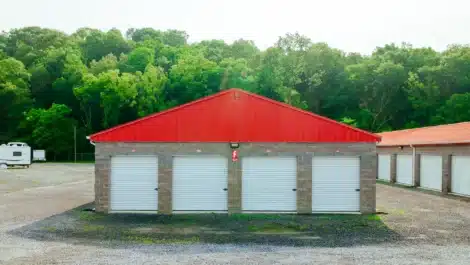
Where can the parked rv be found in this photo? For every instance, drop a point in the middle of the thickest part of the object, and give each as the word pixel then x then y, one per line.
pixel 15 154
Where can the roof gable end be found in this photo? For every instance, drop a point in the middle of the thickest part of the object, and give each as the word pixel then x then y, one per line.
pixel 234 115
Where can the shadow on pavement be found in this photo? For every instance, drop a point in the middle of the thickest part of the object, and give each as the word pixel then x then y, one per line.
pixel 78 226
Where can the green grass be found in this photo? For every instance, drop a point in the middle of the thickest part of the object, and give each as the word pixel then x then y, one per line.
pixel 151 240
pixel 50 229
pixel 278 228
pixel 283 229
pixel 90 216
pixel 374 217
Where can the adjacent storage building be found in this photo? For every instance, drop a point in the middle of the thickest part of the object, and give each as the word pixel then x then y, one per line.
pixel 434 158
pixel 235 152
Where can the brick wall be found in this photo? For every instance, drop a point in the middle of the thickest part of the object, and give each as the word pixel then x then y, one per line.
pixel 446 151
pixel 303 152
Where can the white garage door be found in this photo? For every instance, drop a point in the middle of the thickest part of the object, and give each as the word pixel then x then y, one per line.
pixel 384 167
pixel 134 182
pixel 269 184
pixel 460 175
pixel 405 169
pixel 335 184
pixel 431 172
pixel 200 183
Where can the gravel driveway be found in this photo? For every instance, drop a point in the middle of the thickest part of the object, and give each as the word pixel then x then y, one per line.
pixel 431 229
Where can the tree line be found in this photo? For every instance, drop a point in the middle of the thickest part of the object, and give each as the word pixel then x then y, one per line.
pixel 52 82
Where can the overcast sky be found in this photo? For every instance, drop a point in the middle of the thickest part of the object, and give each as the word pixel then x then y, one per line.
pixel 352 25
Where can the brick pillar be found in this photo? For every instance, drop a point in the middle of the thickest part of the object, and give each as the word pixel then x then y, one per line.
pixel 102 176
pixel 235 186
pixel 417 170
pixel 368 175
pixel 446 173
pixel 304 184
pixel 393 168
pixel 165 184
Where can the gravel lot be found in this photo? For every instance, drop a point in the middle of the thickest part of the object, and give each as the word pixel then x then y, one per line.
pixel 426 229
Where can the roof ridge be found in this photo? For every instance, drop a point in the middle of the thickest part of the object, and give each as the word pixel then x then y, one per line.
pixel 425 127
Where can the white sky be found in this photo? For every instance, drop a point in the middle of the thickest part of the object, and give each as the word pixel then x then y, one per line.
pixel 354 25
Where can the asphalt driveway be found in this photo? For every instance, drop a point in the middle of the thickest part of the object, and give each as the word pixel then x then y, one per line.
pixel 42 223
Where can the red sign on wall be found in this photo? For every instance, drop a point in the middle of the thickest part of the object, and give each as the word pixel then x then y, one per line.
pixel 234 156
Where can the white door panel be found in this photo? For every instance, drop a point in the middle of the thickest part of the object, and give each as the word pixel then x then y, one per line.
pixel 200 183
pixel 460 180
pixel 405 169
pixel 431 172
pixel 269 184
pixel 384 167
pixel 335 184
pixel 133 183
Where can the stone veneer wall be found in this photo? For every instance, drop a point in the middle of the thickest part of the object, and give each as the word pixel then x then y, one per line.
pixel 303 152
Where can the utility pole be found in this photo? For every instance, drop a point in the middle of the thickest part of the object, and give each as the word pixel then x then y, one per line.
pixel 75 143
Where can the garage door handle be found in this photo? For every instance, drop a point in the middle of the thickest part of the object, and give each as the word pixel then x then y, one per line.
pixel 358 189
pixel 156 188
pixel 225 189
pixel 294 189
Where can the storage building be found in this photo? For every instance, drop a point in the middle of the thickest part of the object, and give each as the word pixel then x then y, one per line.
pixel 235 152
pixel 435 158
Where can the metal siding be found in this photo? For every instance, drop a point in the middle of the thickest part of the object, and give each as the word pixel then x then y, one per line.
pixel 460 180
pixel 405 169
pixel 384 167
pixel 225 117
pixel 268 183
pixel 335 184
pixel 199 183
pixel 133 183
pixel 431 172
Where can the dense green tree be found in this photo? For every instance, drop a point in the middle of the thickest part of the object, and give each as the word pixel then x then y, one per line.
pixel 324 87
pixel 455 109
pixel 269 75
pixel 109 62
pixel 14 96
pixel 139 35
pixel 150 91
pixel 98 44
pixel 214 50
pixel 32 43
pixel 96 79
pixel 378 85
pixel 193 77
pixel 50 129
pixel 138 60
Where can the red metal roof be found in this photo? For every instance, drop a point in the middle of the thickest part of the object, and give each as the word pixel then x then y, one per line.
pixel 457 133
pixel 234 115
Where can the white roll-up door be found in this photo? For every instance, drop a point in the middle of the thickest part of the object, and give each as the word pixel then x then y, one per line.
pixel 134 183
pixel 431 172
pixel 460 180
pixel 405 169
pixel 335 184
pixel 200 183
pixel 384 167
pixel 269 184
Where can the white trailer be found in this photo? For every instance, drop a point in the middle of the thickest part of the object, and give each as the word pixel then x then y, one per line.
pixel 15 154
pixel 39 155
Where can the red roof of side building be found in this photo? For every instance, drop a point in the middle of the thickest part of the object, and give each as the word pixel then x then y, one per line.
pixel 457 133
pixel 234 115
